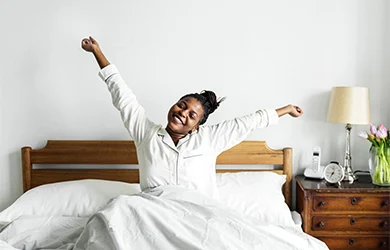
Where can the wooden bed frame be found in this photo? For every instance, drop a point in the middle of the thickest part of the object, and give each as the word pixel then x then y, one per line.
pixel 124 152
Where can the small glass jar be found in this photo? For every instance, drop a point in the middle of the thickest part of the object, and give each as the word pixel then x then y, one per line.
pixel 379 165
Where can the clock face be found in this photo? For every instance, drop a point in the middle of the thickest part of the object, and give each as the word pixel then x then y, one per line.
pixel 333 173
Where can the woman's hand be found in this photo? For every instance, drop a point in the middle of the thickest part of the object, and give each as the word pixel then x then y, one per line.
pixel 90 44
pixel 292 110
pixel 295 111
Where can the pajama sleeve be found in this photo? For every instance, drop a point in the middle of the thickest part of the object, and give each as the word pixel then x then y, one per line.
pixel 132 113
pixel 229 133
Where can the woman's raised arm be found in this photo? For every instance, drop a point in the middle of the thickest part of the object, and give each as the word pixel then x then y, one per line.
pixel 132 113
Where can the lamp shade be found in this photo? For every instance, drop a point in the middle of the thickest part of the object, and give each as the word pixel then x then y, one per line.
pixel 349 105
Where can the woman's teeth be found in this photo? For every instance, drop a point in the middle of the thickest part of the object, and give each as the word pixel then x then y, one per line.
pixel 177 119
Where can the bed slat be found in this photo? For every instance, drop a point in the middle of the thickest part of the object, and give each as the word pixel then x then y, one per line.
pixel 86 152
pixel 46 176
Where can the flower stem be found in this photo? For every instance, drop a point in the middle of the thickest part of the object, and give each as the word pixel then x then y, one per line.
pixel 382 171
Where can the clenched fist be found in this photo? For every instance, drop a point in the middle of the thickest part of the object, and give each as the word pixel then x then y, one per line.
pixel 296 111
pixel 292 110
pixel 90 44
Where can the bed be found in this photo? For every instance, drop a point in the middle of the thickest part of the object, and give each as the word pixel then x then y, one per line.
pixel 103 208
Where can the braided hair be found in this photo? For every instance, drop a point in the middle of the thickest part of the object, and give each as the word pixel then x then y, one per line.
pixel 209 102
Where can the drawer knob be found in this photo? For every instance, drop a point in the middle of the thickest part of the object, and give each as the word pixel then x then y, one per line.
pixel 385 203
pixel 383 244
pixel 352 221
pixel 385 224
pixel 321 224
pixel 353 201
pixel 351 241
pixel 322 203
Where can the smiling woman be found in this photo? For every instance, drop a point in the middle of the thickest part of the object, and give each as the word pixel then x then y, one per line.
pixel 163 153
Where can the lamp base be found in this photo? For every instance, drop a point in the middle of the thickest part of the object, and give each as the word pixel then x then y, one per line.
pixel 349 176
pixel 348 173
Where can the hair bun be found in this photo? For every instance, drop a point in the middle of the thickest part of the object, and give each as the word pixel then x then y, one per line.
pixel 211 99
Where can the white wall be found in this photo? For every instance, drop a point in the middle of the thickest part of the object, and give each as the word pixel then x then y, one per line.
pixel 257 53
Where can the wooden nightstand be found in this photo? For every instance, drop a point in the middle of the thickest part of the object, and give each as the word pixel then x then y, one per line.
pixel 352 216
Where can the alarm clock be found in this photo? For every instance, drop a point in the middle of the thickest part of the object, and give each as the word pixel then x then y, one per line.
pixel 334 173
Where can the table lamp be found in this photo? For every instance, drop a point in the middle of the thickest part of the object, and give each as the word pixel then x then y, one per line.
pixel 349 105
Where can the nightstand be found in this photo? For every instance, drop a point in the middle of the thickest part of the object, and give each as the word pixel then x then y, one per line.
pixel 352 216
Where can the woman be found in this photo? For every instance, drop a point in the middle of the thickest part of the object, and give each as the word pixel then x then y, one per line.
pixel 184 152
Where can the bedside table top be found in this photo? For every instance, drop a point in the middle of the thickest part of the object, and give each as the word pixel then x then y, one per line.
pixel 362 183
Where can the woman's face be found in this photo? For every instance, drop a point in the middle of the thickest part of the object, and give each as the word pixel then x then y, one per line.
pixel 184 116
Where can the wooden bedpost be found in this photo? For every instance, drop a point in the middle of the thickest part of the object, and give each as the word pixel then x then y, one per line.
pixel 287 169
pixel 26 168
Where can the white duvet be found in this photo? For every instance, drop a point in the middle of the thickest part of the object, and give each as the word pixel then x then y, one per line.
pixel 34 232
pixel 168 217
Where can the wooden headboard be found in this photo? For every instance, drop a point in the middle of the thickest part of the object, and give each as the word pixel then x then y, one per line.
pixel 124 152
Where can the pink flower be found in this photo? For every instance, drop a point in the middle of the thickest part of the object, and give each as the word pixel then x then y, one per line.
pixel 382 132
pixel 363 135
pixel 373 128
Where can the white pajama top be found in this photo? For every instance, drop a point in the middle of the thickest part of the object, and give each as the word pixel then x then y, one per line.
pixel 192 162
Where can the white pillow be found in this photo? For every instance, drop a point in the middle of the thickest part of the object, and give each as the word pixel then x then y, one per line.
pixel 69 198
pixel 257 194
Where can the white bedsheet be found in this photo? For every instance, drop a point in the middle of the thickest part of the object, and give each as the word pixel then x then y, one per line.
pixel 6 246
pixel 171 217
pixel 164 218
pixel 296 218
pixel 31 232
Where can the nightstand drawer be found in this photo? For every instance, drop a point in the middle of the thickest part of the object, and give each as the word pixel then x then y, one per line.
pixel 351 223
pixel 366 243
pixel 349 202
